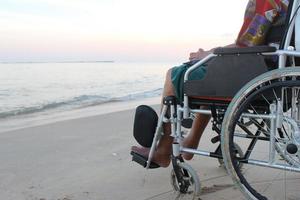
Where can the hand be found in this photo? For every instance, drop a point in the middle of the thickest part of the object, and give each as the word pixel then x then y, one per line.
pixel 200 54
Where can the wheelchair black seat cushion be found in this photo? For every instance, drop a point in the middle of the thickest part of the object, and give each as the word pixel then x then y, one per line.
pixel 145 122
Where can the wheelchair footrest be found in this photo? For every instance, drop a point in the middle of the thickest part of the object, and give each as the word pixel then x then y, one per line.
pixel 142 160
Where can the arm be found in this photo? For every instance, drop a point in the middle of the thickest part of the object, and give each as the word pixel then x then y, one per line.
pixel 200 54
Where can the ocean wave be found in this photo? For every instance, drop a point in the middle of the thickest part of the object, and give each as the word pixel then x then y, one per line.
pixel 78 102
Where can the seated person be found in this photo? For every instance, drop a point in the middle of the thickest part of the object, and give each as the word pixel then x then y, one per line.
pixel 259 16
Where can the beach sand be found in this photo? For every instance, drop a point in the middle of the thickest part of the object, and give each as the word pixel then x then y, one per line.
pixel 88 159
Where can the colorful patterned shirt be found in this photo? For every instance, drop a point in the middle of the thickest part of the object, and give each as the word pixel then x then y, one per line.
pixel 259 16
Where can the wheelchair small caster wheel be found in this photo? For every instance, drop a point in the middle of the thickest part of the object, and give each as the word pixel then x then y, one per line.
pixel 239 153
pixel 185 181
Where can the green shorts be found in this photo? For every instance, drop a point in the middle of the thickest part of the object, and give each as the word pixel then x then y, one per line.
pixel 177 76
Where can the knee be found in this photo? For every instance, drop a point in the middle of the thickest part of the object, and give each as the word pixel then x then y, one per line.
pixel 168 74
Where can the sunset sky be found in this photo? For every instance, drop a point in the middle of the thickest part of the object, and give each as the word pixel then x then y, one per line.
pixel 120 30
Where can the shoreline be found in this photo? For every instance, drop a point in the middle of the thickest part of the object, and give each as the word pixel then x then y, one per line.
pixel 43 118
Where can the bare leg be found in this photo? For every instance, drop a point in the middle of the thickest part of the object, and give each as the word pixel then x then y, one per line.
pixel 164 148
pixel 193 138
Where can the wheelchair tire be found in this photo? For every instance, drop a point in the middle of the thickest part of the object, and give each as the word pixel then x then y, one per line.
pixel 239 152
pixel 261 179
pixel 190 176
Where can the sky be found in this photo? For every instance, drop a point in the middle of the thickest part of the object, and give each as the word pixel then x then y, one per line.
pixel 120 30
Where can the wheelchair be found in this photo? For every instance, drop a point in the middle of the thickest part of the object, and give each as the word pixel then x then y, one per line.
pixel 253 97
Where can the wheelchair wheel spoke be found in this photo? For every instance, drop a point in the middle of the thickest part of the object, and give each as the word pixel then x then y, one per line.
pixel 286 134
pixel 263 96
pixel 252 107
pixel 276 98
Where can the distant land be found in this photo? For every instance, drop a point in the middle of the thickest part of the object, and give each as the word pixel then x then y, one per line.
pixel 96 61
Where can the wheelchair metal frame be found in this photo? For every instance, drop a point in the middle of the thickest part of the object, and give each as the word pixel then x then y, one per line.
pixel 178 112
pixel 186 111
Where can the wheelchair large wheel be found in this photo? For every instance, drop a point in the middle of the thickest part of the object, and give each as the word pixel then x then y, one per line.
pixel 238 151
pixel 186 182
pixel 263 119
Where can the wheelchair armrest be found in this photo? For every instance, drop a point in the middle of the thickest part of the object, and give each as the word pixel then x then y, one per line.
pixel 244 50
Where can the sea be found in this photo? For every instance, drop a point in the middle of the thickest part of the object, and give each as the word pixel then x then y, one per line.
pixel 32 92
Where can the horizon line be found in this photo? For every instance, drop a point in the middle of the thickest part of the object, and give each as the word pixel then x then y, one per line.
pixel 79 61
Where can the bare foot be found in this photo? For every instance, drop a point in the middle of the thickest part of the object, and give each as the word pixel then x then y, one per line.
pixel 193 138
pixel 159 158
pixel 187 156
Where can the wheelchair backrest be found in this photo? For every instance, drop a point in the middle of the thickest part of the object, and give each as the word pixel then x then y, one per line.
pixel 279 30
pixel 291 35
pixel 297 30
